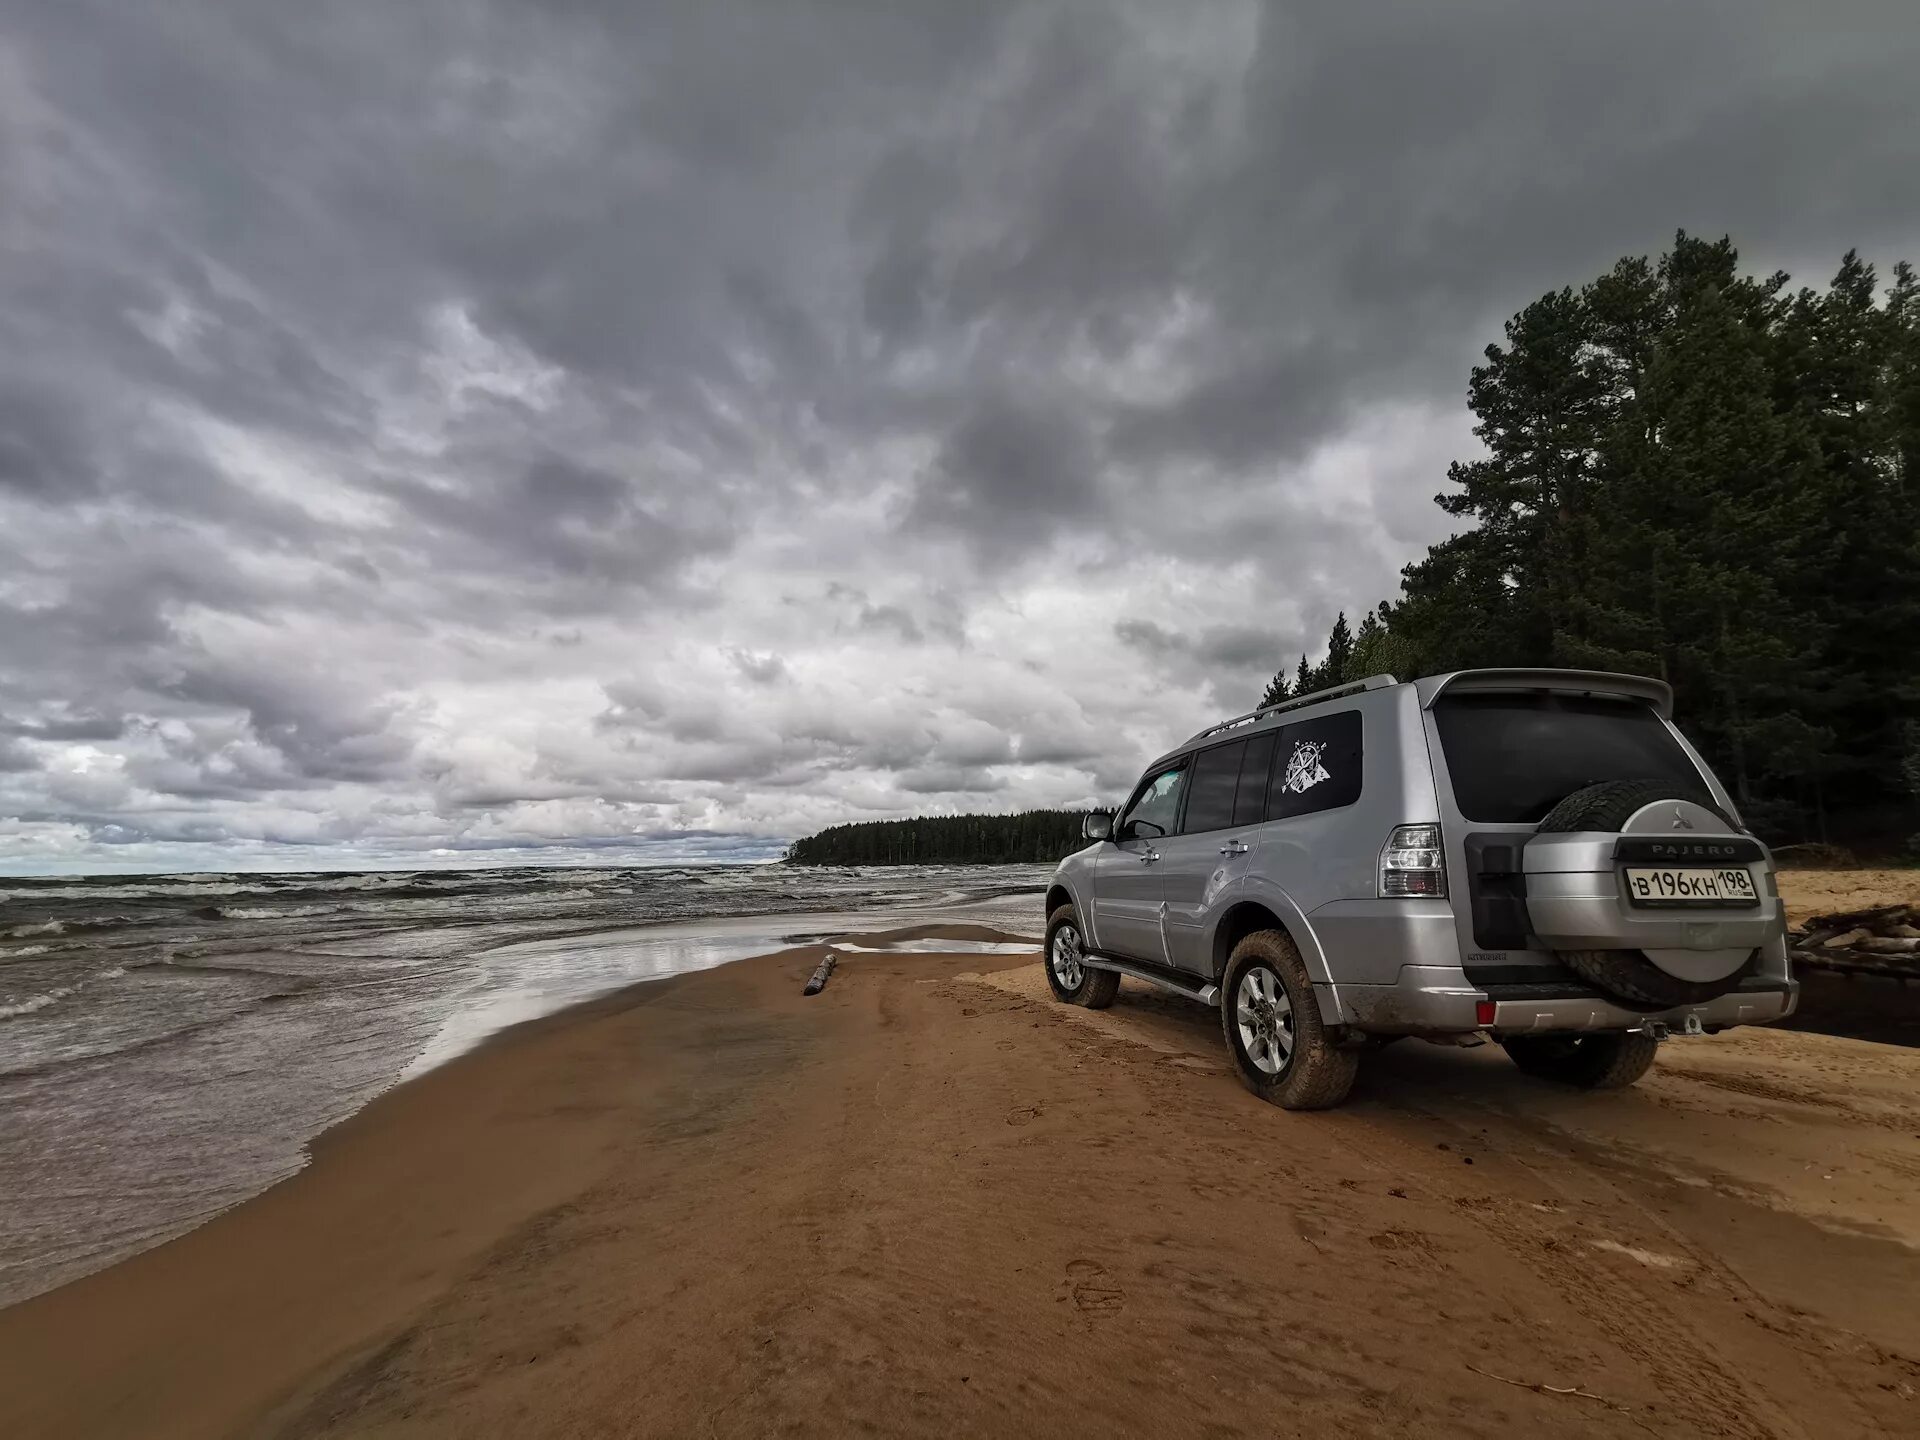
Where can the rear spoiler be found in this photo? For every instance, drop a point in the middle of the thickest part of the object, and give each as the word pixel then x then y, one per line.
pixel 1656 693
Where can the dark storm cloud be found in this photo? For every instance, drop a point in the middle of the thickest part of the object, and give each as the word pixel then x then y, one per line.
pixel 42 455
pixel 1221 657
pixel 873 387
pixel 1008 477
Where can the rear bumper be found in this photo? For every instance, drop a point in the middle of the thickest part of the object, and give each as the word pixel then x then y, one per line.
pixel 1441 1000
pixel 1395 968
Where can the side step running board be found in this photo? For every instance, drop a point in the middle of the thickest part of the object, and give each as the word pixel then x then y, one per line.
pixel 1179 982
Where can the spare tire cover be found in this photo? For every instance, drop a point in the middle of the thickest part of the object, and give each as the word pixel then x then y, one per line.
pixel 1653 977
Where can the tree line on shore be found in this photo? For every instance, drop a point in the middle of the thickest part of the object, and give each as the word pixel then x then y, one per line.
pixel 1702 476
pixel 1030 837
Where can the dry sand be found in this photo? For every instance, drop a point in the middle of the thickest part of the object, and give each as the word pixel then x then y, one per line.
pixel 930 1201
pixel 1824 892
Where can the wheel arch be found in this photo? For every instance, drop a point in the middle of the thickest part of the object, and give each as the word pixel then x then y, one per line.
pixel 1058 895
pixel 1265 909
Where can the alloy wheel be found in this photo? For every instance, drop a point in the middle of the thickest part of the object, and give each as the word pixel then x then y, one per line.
pixel 1068 968
pixel 1265 1018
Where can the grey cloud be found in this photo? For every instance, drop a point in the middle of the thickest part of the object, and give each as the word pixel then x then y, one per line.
pixel 1008 476
pixel 1226 663
pixel 1231 646
pixel 42 456
pixel 760 669
pixel 319 732
pixel 1147 636
pixel 949 780
pixel 66 726
pixel 890 618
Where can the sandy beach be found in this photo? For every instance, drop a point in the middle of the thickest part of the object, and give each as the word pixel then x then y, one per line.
pixel 929 1201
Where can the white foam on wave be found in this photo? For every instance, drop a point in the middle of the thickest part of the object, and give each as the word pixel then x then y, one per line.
pixel 49 927
pixel 290 912
pixel 37 1002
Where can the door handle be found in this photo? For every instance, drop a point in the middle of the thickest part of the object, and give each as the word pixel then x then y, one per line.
pixel 1149 857
pixel 1233 847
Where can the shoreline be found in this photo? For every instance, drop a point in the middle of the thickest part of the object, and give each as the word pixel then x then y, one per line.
pixel 928 1200
pixel 147 1089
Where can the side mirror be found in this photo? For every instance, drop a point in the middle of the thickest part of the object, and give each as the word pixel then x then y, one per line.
pixel 1097 825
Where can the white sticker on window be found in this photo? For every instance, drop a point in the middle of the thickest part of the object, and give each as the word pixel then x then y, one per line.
pixel 1304 769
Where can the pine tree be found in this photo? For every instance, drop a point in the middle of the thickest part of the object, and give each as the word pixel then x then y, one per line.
pixel 1278 689
pixel 1333 670
pixel 1457 610
pixel 1303 678
pixel 1538 401
pixel 1375 651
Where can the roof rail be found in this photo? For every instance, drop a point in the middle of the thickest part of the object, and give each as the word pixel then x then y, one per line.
pixel 1372 682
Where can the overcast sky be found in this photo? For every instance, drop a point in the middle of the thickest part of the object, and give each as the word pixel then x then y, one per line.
pixel 471 431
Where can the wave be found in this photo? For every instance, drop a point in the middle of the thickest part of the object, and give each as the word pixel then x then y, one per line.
pixel 68 927
pixel 24 951
pixel 262 912
pixel 37 1002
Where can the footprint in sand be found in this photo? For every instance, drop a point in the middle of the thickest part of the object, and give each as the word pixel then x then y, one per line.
pixel 1023 1115
pixel 1091 1295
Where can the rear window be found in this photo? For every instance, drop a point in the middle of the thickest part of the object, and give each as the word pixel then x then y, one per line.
pixel 1514 757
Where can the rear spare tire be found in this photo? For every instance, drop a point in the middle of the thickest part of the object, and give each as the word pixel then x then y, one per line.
pixel 1610 1060
pixel 1629 974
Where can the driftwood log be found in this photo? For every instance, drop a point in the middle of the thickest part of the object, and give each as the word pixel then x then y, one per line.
pixel 818 982
pixel 1882 941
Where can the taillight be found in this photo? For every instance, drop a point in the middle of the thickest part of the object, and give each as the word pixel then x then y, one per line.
pixel 1411 863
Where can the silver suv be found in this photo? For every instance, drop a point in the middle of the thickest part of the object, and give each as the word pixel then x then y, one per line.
pixel 1535 856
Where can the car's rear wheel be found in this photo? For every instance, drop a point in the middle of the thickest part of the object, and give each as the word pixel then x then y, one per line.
pixel 1273 1029
pixel 1609 1060
pixel 1069 977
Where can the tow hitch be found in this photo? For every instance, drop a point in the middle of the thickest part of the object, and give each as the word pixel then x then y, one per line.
pixel 1660 1030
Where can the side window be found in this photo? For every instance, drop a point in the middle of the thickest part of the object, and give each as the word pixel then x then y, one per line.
pixel 1250 802
pixel 1216 776
pixel 1317 766
pixel 1156 807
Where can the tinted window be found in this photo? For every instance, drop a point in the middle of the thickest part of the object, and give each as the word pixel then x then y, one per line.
pixel 1216 776
pixel 1157 804
pixel 1316 766
pixel 1250 802
pixel 1514 757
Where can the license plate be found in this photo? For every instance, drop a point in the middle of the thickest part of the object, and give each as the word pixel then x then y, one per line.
pixel 1690 885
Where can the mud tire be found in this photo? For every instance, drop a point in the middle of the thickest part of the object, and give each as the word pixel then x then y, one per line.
pixel 1096 988
pixel 1316 1076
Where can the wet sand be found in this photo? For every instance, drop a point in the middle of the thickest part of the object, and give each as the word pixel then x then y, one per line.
pixel 930 1201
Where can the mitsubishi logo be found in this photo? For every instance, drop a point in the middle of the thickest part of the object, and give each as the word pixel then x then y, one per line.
pixel 1680 821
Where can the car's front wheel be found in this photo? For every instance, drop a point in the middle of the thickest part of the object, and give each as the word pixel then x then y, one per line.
pixel 1280 1046
pixel 1069 977
pixel 1610 1060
